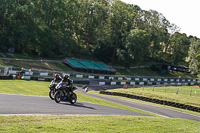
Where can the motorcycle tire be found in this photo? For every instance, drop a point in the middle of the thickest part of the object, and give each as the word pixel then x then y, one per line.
pixel 57 97
pixel 52 94
pixel 73 98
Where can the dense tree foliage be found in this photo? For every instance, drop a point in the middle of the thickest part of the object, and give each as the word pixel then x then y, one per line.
pixel 194 55
pixel 109 30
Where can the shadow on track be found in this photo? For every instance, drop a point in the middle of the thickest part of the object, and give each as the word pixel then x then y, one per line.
pixel 78 105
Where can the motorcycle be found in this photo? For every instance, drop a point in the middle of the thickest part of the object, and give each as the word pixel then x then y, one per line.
pixel 52 91
pixel 85 89
pixel 64 94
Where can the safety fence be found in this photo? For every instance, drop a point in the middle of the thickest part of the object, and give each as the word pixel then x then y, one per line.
pixel 132 83
pixel 75 81
pixel 103 80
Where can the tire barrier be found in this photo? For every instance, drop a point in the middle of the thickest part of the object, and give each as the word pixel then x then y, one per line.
pixel 6 77
pixel 157 101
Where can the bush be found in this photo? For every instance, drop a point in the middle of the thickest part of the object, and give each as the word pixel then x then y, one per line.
pixel 156 67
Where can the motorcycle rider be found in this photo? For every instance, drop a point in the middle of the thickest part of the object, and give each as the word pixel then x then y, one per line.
pixel 67 82
pixel 57 78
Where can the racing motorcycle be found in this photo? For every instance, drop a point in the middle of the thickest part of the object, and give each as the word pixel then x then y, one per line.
pixel 85 89
pixel 52 90
pixel 63 93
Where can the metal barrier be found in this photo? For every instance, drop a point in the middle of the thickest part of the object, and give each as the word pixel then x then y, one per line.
pixel 104 80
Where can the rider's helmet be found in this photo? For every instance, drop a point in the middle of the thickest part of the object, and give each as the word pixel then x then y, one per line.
pixel 56 76
pixel 66 77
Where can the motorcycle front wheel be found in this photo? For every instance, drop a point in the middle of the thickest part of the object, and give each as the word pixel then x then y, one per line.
pixel 73 98
pixel 52 94
pixel 57 97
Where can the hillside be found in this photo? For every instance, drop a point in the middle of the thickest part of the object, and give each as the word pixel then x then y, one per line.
pixel 110 31
pixel 59 66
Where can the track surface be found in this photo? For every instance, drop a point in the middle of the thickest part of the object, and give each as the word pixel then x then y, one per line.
pixel 21 104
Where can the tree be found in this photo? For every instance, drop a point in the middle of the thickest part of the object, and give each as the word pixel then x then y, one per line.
pixel 122 20
pixel 179 47
pixel 194 57
pixel 136 47
pixel 109 30
pixel 156 25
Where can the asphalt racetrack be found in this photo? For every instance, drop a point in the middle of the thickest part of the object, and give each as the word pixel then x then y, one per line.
pixel 27 105
pixel 11 104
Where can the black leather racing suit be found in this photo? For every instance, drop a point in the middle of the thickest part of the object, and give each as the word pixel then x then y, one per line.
pixel 67 84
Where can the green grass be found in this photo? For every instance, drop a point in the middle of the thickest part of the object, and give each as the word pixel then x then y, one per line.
pixel 63 67
pixel 148 72
pixel 20 56
pixel 3 63
pixel 96 124
pixel 180 94
pixel 150 103
pixel 136 72
pixel 89 124
pixel 59 66
pixel 40 88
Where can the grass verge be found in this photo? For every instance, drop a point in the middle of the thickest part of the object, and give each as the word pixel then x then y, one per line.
pixel 97 124
pixel 147 72
pixel 150 103
pixel 189 95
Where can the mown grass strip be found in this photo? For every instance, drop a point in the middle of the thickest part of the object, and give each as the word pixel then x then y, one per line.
pixel 189 95
pixel 95 124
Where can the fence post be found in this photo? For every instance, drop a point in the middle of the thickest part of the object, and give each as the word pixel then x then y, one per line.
pixel 177 91
pixel 191 92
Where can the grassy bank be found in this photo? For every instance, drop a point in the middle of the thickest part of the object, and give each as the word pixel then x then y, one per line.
pixel 148 72
pixel 95 124
pixel 62 67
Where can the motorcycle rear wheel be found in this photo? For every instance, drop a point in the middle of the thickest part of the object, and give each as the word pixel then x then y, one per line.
pixel 73 98
pixel 57 97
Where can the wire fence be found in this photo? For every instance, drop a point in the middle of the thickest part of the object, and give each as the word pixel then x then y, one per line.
pixel 178 90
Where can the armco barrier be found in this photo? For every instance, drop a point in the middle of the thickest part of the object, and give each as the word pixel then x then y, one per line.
pixel 118 79
pixel 146 83
pixel 74 81
pixel 163 102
